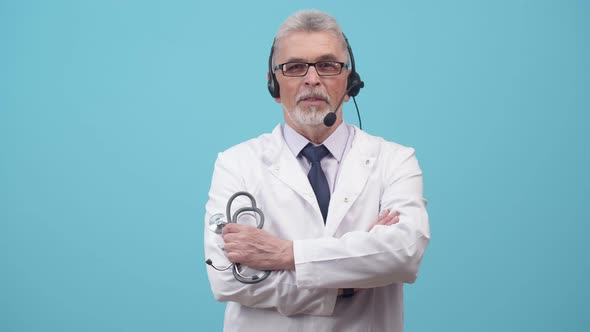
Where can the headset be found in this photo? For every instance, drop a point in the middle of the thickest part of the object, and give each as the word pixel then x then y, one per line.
pixel 353 85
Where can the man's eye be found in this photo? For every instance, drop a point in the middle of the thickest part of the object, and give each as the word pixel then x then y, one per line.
pixel 325 64
pixel 295 66
pixel 329 66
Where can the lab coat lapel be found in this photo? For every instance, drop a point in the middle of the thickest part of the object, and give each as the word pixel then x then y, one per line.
pixel 282 164
pixel 354 173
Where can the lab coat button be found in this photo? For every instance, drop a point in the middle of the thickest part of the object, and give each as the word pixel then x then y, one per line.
pixel 367 162
pixel 345 199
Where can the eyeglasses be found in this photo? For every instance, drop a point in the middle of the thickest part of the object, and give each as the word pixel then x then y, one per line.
pixel 324 68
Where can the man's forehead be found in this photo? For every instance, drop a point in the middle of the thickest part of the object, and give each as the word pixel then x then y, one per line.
pixel 307 46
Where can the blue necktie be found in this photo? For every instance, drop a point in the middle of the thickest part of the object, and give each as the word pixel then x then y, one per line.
pixel 316 176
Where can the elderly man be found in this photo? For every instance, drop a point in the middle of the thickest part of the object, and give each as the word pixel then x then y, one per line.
pixel 345 222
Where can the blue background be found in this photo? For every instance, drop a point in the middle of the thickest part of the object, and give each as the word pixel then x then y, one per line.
pixel 112 113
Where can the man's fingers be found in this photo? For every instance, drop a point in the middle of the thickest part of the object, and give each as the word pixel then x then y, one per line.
pixel 234 228
pixel 389 218
pixel 386 218
pixel 382 216
pixel 393 221
pixel 386 215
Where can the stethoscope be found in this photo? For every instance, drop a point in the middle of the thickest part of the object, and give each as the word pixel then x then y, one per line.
pixel 216 224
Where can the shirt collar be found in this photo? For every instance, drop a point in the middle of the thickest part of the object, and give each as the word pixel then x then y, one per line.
pixel 336 143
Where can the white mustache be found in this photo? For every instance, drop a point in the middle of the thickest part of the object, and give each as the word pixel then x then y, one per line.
pixel 313 94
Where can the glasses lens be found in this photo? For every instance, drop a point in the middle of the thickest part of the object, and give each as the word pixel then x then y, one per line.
pixel 294 69
pixel 328 68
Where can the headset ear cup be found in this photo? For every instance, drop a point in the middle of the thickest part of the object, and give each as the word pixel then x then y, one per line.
pixel 354 80
pixel 273 86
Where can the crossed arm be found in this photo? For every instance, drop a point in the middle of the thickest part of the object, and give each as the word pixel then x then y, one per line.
pixel 260 250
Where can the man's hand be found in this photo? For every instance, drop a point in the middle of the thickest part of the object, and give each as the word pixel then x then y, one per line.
pixel 257 249
pixel 386 219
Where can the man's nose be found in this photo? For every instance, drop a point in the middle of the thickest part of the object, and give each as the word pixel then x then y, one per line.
pixel 312 77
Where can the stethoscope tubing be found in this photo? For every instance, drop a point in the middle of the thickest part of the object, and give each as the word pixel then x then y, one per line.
pixel 234 219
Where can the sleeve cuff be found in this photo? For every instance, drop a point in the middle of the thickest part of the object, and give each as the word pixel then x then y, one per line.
pixel 304 275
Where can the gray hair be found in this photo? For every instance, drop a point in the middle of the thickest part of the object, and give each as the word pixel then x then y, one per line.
pixel 309 21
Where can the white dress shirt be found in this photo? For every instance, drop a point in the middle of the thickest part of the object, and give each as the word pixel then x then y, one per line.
pixel 338 144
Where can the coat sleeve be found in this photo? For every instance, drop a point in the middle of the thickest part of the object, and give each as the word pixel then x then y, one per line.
pixel 386 254
pixel 279 291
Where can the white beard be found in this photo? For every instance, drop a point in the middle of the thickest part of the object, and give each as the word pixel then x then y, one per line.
pixel 310 116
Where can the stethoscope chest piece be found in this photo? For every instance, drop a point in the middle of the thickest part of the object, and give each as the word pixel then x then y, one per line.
pixel 216 223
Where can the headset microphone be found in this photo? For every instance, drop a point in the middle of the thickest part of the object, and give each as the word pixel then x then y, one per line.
pixel 330 118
